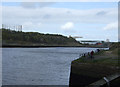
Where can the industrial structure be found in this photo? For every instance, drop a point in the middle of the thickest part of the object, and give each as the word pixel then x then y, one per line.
pixel 12 27
pixel 75 37
pixel 91 42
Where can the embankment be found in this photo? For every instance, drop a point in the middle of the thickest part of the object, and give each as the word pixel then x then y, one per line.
pixel 85 74
pixel 87 71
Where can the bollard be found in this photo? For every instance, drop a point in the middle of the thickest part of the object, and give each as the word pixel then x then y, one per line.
pixel 107 81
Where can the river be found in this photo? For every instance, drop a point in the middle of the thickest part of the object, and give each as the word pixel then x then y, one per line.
pixel 39 66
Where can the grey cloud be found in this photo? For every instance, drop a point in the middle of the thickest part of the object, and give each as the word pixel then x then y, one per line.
pixel 69 12
pixel 45 4
pixel 101 13
pixel 47 16
pixel 36 4
pixel 28 4
pixel 56 15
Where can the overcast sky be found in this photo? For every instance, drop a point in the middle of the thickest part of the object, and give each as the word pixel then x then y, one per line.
pixel 91 20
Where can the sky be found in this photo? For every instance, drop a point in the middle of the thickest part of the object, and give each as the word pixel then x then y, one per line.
pixel 91 20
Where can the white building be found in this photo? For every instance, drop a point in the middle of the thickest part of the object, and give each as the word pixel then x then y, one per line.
pixel 90 42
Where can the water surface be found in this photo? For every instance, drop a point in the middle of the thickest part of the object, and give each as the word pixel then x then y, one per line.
pixel 38 66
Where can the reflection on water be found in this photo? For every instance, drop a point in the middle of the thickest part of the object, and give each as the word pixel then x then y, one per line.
pixel 38 66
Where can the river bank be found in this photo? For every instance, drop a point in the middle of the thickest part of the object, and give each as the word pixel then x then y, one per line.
pixel 85 71
pixel 36 46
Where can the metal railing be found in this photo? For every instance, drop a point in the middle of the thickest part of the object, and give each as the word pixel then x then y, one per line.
pixel 105 80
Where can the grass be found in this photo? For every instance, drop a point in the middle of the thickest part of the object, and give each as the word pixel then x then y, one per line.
pixel 104 57
pixel 105 63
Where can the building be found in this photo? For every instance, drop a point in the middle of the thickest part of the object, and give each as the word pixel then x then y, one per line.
pixel 12 27
pixel 91 42
pixel 107 40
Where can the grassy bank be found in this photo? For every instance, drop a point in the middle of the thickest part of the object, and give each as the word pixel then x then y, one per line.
pixel 16 38
pixel 103 64
pixel 104 57
pixel 107 58
pixel 11 38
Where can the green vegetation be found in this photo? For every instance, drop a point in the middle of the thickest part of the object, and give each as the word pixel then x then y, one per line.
pixel 107 58
pixel 10 37
pixel 104 61
pixel 104 64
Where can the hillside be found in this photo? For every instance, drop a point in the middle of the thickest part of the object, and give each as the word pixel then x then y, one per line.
pixel 16 38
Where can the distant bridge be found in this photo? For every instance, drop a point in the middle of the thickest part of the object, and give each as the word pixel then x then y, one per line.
pixel 76 37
